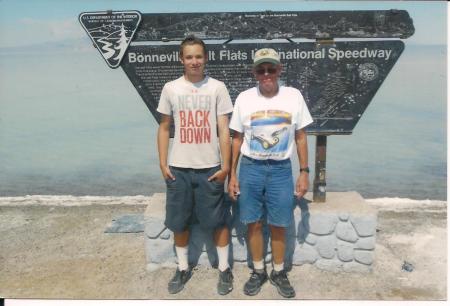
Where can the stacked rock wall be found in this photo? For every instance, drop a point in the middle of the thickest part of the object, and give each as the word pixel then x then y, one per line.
pixel 338 235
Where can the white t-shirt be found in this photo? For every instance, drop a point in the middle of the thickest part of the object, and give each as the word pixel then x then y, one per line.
pixel 269 124
pixel 195 107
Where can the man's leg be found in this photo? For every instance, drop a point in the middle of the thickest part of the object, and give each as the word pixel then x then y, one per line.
pixel 278 276
pixel 252 177
pixel 256 243
pixel 280 201
pixel 278 245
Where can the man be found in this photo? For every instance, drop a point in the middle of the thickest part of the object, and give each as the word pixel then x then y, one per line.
pixel 268 122
pixel 194 173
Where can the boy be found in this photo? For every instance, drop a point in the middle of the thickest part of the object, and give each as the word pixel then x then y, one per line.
pixel 194 173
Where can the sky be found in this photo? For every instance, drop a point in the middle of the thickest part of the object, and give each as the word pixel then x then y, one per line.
pixel 31 22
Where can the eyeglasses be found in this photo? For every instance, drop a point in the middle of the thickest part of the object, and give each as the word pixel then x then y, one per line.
pixel 262 71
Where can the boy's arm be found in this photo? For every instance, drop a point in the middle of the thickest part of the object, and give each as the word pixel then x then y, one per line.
pixel 163 146
pixel 225 148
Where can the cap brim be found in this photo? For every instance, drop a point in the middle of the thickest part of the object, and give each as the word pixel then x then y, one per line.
pixel 266 60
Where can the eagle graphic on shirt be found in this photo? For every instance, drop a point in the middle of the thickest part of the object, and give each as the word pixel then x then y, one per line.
pixel 270 132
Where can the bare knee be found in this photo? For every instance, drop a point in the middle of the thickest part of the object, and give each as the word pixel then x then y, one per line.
pixel 221 236
pixel 255 227
pixel 277 233
pixel 181 239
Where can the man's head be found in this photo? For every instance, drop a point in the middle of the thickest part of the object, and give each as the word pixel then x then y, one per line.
pixel 193 56
pixel 267 70
pixel 266 55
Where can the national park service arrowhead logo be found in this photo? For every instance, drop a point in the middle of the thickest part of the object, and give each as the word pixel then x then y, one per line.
pixel 111 32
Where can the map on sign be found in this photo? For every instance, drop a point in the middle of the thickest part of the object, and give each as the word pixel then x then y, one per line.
pixel 111 32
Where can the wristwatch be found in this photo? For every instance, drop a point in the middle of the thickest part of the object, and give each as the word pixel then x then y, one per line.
pixel 304 169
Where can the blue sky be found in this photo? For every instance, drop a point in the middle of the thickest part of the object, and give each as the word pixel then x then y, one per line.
pixel 29 22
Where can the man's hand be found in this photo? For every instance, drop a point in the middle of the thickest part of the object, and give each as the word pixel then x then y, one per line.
pixel 220 176
pixel 166 173
pixel 301 186
pixel 233 188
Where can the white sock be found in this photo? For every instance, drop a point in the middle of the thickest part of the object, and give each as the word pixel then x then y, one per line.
pixel 278 267
pixel 222 253
pixel 182 255
pixel 258 265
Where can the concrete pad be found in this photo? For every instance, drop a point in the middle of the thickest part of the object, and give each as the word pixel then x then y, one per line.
pixel 338 202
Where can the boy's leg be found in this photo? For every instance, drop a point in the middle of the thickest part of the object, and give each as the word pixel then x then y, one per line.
pixel 211 213
pixel 221 238
pixel 179 206
pixel 181 240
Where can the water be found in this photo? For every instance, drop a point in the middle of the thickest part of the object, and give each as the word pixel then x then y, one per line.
pixel 69 125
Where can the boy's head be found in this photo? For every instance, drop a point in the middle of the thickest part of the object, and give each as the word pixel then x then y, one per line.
pixel 192 40
pixel 193 57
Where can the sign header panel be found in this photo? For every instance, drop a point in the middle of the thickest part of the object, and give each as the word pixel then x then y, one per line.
pixel 277 24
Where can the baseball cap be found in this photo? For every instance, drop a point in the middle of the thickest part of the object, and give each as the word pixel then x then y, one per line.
pixel 266 55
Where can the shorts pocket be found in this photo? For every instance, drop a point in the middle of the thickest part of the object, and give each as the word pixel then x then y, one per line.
pixel 170 183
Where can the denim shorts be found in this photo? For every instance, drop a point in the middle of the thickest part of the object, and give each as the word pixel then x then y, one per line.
pixel 266 186
pixel 191 198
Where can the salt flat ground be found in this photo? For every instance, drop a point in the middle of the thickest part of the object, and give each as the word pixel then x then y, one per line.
pixel 61 251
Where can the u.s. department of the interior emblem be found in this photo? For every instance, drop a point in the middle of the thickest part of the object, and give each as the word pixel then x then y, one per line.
pixel 111 32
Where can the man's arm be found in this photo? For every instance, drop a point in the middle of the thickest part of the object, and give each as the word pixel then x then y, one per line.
pixel 233 183
pixel 225 150
pixel 163 146
pixel 302 184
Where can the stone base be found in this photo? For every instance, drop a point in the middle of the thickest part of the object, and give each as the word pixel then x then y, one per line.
pixel 337 235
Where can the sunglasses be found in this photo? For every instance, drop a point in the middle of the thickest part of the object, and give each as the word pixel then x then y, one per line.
pixel 262 71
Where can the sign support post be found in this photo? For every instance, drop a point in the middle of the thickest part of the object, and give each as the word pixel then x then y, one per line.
pixel 319 185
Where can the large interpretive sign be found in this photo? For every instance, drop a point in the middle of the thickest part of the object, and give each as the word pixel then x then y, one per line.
pixel 338 79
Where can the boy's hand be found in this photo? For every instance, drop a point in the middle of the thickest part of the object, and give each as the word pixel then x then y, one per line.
pixel 220 176
pixel 165 170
